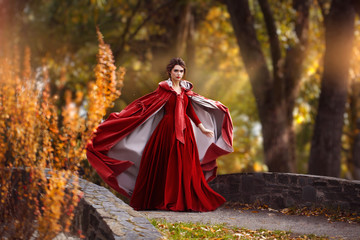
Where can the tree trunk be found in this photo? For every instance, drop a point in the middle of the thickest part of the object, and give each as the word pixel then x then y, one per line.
pixel 191 49
pixel 277 139
pixel 355 151
pixel 183 28
pixel 326 143
pixel 355 163
pixel 3 24
pixel 10 11
pixel 275 93
pixel 178 39
pixel 353 156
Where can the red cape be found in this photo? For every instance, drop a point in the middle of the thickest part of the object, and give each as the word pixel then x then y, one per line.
pixel 116 147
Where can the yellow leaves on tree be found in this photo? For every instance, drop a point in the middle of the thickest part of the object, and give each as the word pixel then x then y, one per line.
pixel 52 209
pixel 105 90
pixel 35 134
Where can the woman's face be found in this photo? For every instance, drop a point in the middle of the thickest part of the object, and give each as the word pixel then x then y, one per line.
pixel 177 73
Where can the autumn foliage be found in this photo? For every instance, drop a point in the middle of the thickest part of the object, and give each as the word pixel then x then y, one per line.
pixel 42 145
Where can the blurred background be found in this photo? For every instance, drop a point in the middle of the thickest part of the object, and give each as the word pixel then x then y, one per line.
pixel 287 70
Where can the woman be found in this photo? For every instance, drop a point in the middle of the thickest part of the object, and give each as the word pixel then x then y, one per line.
pixel 152 152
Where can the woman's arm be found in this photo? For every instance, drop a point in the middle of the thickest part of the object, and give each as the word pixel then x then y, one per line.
pixel 191 113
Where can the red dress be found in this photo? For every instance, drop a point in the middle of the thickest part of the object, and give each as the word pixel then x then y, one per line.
pixel 170 176
pixel 152 153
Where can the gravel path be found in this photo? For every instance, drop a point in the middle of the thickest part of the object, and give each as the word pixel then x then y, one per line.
pixel 265 219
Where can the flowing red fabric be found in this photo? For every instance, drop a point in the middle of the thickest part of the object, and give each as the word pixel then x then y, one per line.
pixel 170 176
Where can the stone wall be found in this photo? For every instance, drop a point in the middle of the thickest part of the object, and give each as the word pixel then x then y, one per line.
pixel 101 215
pixel 281 190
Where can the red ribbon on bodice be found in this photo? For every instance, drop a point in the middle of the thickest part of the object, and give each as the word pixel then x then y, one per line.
pixel 180 117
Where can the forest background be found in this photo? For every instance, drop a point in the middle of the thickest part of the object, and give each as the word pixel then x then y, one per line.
pixel 287 70
pixel 263 59
pixel 266 60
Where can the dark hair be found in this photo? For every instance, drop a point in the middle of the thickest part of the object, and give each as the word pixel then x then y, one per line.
pixel 173 62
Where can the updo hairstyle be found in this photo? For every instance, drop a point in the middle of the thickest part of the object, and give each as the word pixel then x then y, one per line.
pixel 173 62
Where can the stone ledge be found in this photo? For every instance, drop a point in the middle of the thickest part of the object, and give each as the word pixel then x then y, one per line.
pixel 101 215
pixel 282 190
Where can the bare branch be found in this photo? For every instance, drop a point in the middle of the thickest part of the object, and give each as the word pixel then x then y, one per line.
pixel 148 18
pixel 273 37
pixel 302 8
pixel 356 4
pixel 295 55
pixel 129 20
pixel 322 8
pixel 120 48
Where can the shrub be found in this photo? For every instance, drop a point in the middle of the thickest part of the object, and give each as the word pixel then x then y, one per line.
pixel 36 135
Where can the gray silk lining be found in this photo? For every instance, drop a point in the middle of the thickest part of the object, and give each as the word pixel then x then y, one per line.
pixel 212 119
pixel 131 148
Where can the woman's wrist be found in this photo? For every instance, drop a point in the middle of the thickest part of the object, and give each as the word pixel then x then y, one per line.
pixel 205 131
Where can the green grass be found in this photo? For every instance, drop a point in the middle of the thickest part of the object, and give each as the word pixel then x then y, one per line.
pixel 220 231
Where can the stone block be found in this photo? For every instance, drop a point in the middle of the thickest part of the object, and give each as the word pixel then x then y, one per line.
pixel 307 204
pixel 277 201
pixel 343 205
pixel 335 189
pixel 232 187
pixel 318 183
pixel 259 175
pixel 232 179
pixel 276 190
pixel 85 217
pixel 259 188
pixel 257 181
pixel 91 236
pixel 104 233
pixel 96 205
pixel 134 235
pixel 289 202
pixel 127 224
pixel 332 196
pixel 141 220
pixel 247 184
pixel 302 181
pixel 293 180
pixel 265 199
pixel 309 194
pixel 94 221
pixel 233 197
pixel 349 188
pixel 334 182
pixel 355 206
pixel 247 198
pixel 269 177
pixel 120 215
pixel 305 181
pixel 283 179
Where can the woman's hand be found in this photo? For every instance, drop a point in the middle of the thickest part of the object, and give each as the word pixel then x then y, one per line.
pixel 205 131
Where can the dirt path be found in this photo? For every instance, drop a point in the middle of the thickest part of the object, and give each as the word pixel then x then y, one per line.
pixel 264 219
